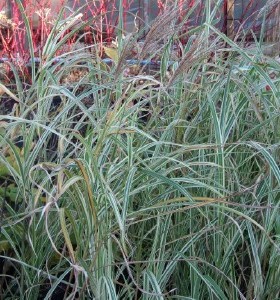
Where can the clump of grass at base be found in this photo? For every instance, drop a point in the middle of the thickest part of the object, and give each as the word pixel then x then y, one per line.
pixel 100 203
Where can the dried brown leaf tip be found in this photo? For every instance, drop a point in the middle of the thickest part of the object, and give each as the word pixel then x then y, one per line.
pixel 162 28
pixel 130 49
pixel 198 53
pixel 186 62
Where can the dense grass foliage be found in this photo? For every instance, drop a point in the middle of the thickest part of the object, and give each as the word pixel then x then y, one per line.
pixel 159 185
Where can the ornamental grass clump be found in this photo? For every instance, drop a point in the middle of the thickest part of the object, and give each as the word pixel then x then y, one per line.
pixel 158 185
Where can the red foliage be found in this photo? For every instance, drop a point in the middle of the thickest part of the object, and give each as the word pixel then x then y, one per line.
pixel 99 17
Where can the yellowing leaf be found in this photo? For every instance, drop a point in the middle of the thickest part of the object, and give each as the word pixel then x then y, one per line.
pixel 112 53
pixel 9 160
pixel 66 235
pixel 3 90
pixel 4 245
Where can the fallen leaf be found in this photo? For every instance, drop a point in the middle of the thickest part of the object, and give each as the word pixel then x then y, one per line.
pixel 112 53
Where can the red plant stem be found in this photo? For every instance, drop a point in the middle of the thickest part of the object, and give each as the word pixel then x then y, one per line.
pixel 160 5
pixel 104 20
pixel 225 9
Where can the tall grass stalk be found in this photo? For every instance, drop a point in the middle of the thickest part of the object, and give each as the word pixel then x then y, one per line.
pixel 160 185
